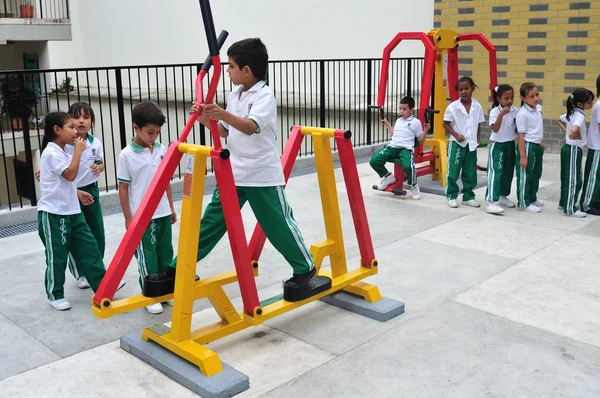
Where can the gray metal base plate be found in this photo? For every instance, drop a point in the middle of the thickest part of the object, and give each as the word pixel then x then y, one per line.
pixel 382 310
pixel 227 383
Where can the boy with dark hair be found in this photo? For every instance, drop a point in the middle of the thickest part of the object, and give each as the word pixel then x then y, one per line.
pixel 137 165
pixel 249 123
pixel 401 146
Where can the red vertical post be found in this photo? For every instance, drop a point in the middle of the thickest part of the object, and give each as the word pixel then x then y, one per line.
pixel 453 72
pixel 355 197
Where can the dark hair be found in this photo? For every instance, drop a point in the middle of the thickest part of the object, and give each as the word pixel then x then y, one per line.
pixel 465 79
pixel 525 89
pixel 580 95
pixel 598 86
pixel 53 119
pixel 251 53
pixel 408 100
pixel 498 91
pixel 78 108
pixel 147 112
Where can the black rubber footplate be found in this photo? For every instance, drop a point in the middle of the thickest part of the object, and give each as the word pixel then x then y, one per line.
pixel 161 283
pixel 315 285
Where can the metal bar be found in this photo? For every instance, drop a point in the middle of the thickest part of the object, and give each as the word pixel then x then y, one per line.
pixel 120 109
pixel 28 155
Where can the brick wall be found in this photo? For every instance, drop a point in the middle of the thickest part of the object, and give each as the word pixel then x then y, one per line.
pixel 553 43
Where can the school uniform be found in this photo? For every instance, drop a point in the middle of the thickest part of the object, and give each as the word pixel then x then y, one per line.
pixel 259 180
pixel 462 156
pixel 590 196
pixel 88 182
pixel 62 227
pixel 571 155
pixel 401 147
pixel 501 157
pixel 137 166
pixel 530 122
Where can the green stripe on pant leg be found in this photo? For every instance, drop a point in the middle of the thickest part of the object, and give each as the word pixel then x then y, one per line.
pixel 522 172
pixel 495 172
pixel 164 244
pixel 469 174
pixel 276 219
pixel 84 249
pixel 571 178
pixel 590 194
pixel 565 164
pixel 93 216
pixel 146 252
pixel 379 159
pixel 508 167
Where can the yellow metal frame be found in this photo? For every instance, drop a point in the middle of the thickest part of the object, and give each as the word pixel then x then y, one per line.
pixel 188 344
pixel 443 39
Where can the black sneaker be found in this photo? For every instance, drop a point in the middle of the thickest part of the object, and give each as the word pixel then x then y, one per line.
pixel 594 211
pixel 300 280
pixel 165 274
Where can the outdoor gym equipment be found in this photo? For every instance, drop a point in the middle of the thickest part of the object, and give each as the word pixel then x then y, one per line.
pixel 179 339
pixel 440 72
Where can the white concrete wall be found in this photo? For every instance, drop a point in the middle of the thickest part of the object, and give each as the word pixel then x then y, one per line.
pixel 136 32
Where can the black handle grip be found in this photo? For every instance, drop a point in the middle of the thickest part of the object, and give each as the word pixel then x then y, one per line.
pixel 381 114
pixel 220 41
pixel 209 27
pixel 428 112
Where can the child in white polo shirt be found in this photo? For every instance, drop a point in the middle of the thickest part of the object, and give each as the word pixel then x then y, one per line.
pixel 462 121
pixel 590 195
pixel 138 163
pixel 249 123
pixel 501 158
pixel 530 148
pixel 92 164
pixel 61 225
pixel 401 146
pixel 571 153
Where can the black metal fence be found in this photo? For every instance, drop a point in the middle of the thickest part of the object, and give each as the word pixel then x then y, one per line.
pixel 326 93
pixel 35 9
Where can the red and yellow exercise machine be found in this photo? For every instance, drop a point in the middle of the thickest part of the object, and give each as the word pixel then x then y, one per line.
pixel 440 71
pixel 179 338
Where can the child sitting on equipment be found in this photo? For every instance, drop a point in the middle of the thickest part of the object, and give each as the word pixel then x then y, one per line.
pixel 401 147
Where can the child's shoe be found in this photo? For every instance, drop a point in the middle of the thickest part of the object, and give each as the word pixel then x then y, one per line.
pixel 531 208
pixel 538 203
pixel 594 211
pixel 60 304
pixel 578 214
pixel 386 181
pixel 493 208
pixel 504 201
pixel 416 192
pixel 169 302
pixel 472 203
pixel 453 203
pixel 82 283
pixel 155 308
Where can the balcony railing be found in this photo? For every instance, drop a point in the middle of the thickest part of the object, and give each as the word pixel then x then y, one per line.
pixel 34 11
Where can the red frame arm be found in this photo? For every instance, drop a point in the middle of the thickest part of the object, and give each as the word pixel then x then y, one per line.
pixel 492 56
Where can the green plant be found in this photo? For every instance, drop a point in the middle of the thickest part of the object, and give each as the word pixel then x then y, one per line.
pixel 11 98
pixel 66 85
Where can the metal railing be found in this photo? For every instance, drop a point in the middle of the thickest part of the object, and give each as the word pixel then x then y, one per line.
pixel 56 10
pixel 325 93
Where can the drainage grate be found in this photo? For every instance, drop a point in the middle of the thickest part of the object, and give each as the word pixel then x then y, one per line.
pixel 18 229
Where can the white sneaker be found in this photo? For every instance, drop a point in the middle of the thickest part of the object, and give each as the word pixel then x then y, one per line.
pixel 82 283
pixel 155 308
pixel 538 203
pixel 60 304
pixel 578 214
pixel 385 181
pixel 493 208
pixel 531 208
pixel 472 203
pixel 169 302
pixel 453 203
pixel 504 201
pixel 416 192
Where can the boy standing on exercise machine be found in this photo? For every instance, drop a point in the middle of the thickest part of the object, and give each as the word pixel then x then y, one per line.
pixel 249 124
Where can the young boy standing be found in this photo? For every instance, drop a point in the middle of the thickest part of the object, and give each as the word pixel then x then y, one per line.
pixel 249 124
pixel 401 146
pixel 138 163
